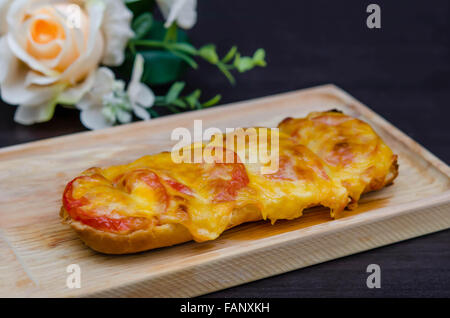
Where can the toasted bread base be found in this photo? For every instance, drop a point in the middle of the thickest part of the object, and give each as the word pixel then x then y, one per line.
pixel 172 234
pixel 147 239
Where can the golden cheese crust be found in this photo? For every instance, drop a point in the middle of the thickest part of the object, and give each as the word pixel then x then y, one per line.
pixel 353 153
pixel 155 202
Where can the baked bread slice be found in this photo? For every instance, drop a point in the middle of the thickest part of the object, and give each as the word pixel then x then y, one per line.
pixel 156 202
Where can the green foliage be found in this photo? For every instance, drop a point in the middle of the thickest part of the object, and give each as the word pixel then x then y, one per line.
pixel 259 58
pixel 240 63
pixel 142 25
pixel 175 102
pixel 163 64
pixel 208 52
pixel 229 56
pixel 161 67
pixel 158 32
pixel 174 92
pixel 168 53
pixel 182 53
pixel 140 6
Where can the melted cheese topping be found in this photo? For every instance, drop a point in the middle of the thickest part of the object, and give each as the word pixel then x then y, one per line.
pixel 354 154
pixel 344 159
pixel 300 182
pixel 155 186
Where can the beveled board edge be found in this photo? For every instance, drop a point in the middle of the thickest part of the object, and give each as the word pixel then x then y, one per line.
pixel 295 250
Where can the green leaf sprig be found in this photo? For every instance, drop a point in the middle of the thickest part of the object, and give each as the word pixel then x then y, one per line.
pixel 176 103
pixel 233 60
pixel 168 53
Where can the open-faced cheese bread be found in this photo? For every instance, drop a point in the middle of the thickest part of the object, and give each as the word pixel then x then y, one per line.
pixel 157 201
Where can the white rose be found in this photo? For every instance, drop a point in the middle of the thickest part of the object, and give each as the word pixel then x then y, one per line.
pixel 52 49
pixel 184 12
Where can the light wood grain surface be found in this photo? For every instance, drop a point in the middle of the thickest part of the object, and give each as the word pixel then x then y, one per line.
pixel 35 248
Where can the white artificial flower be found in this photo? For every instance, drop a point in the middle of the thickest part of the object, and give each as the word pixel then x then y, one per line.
pixel 107 102
pixel 183 12
pixel 51 50
pixel 117 32
pixel 4 5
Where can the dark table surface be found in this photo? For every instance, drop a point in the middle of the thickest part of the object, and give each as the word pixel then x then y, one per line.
pixel 402 71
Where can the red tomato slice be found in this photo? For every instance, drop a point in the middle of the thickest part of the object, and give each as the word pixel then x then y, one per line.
pixel 228 189
pixel 285 171
pixel 178 186
pixel 305 169
pixel 69 202
pixel 227 178
pixel 103 223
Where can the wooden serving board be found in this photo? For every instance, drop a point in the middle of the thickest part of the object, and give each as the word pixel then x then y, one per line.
pixel 35 248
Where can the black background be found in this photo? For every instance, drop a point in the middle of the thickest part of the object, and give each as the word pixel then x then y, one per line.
pixel 402 71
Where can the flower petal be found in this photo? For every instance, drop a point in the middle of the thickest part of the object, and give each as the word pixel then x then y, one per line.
pixel 102 85
pixel 14 90
pixel 141 112
pixel 91 56
pixel 141 94
pixel 17 37
pixel 7 61
pixel 187 16
pixel 25 57
pixel 117 31
pixel 34 78
pixel 73 94
pixel 164 6
pixel 85 103
pixel 37 104
pixel 138 69
pixel 182 11
pixel 124 117
pixel 104 81
pixel 138 92
pixel 93 118
pixel 28 115
pixel 4 6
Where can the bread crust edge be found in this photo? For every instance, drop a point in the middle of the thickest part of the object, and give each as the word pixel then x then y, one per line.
pixel 169 234
pixel 146 239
